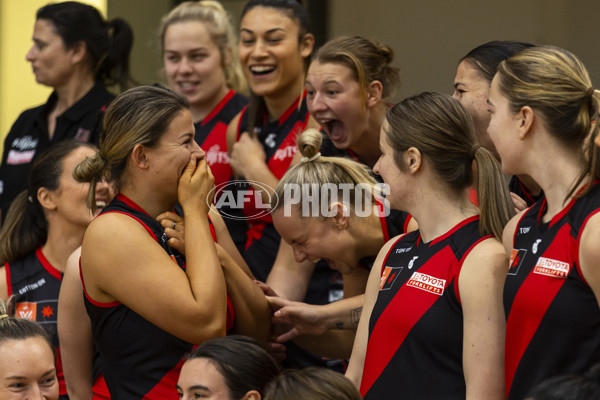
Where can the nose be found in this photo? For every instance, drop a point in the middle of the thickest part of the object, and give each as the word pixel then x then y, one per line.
pixel 184 66
pixel 259 49
pixel 299 255
pixel 376 166
pixel 103 187
pixel 316 103
pixel 456 94
pixel 30 56
pixel 196 149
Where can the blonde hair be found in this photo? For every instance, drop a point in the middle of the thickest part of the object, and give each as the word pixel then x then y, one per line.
pixel 556 85
pixel 316 170
pixel 218 23
pixel 442 130
pixel 138 116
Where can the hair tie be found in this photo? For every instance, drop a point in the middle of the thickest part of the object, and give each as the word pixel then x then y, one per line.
pixel 313 158
pixel 4 316
pixel 475 150
pixel 30 199
pixel 590 92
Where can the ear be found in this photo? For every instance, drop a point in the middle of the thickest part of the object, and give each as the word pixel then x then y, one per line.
pixel 374 93
pixel 46 198
pixel 79 51
pixel 525 119
pixel 341 214
pixel 139 156
pixel 252 395
pixel 413 159
pixel 307 43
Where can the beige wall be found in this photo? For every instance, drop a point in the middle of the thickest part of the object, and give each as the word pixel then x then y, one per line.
pixel 430 36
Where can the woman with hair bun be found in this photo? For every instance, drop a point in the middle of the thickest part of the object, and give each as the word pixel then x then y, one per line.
pixel 44 225
pixel 450 271
pixel 350 85
pixel 358 223
pixel 27 369
pixel 77 53
pixel 544 113
pixel 169 296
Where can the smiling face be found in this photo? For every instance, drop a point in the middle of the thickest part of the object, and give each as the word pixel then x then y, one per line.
pixel 314 239
pixel 51 61
pixel 388 170
pixel 171 155
pixel 336 101
pixel 472 90
pixel 193 64
pixel 270 51
pixel 199 378
pixel 27 370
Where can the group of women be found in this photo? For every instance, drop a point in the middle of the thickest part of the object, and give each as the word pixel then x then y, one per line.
pixel 455 296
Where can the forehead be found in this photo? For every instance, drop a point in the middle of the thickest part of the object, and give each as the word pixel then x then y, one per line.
pixel 181 123
pixel 45 27
pixel 201 372
pixel 325 72
pixel 187 34
pixel 262 19
pixel 24 355
pixel 466 73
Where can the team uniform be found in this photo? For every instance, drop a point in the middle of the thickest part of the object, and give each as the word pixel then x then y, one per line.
pixel 29 136
pixel 415 343
pixel 35 283
pixel 553 320
pixel 516 186
pixel 140 360
pixel 279 142
pixel 211 135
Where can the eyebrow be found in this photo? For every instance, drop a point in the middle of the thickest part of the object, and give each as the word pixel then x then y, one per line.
pixel 49 372
pixel 267 32
pixel 188 51
pixel 456 84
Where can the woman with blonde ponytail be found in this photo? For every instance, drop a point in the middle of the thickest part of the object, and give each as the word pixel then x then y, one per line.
pixel 27 361
pixel 544 114
pixel 351 223
pixel 433 303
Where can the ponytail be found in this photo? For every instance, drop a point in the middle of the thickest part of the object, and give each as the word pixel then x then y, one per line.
pixel 113 67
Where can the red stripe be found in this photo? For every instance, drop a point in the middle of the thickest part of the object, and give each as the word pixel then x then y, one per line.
pixel 94 302
pixel 230 314
pixel 166 387
pixel 391 330
pixel 47 266
pixel 218 108
pixel 531 303
pixel 408 218
pixel 456 227
pixel 295 105
pixel 8 284
pixel 382 220
pixel 100 389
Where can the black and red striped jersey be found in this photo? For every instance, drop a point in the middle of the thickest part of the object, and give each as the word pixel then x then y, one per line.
pixel 140 360
pixel 415 343
pixel 553 319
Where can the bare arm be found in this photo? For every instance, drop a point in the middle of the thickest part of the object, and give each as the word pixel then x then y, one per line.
pixel 359 350
pixel 3 284
pixel 75 333
pixel 481 283
pixel 189 304
pixel 288 278
pixel 589 254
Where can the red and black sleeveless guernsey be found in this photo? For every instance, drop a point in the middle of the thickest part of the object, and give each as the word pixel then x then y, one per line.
pixel 414 350
pixel 35 283
pixel 211 135
pixel 553 319
pixel 139 360
pixel 279 143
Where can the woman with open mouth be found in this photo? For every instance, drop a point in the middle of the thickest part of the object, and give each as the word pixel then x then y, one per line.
pixel 350 85
pixel 44 225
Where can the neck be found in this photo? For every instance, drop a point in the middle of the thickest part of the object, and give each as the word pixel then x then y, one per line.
pixel 367 147
pixel 437 209
pixel 278 103
pixel 148 199
pixel 367 234
pixel 201 110
pixel 63 240
pixel 72 91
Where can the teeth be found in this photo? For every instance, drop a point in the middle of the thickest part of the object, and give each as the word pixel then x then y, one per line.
pixel 187 85
pixel 100 203
pixel 261 68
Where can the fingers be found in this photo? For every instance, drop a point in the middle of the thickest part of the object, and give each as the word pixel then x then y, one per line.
pixel 289 335
pixel 276 350
pixel 277 302
pixel 518 202
pixel 266 289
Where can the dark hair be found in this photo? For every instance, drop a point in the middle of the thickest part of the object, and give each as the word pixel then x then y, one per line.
pixel 369 61
pixel 486 58
pixel 140 115
pixel 244 364
pixel 295 11
pixel 12 328
pixel 108 43
pixel 25 227
pixel 442 130
pixel 311 383
pixel 556 85
pixel 569 387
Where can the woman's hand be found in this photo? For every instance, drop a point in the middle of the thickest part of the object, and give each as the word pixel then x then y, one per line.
pixel 195 187
pixel 174 229
pixel 247 155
